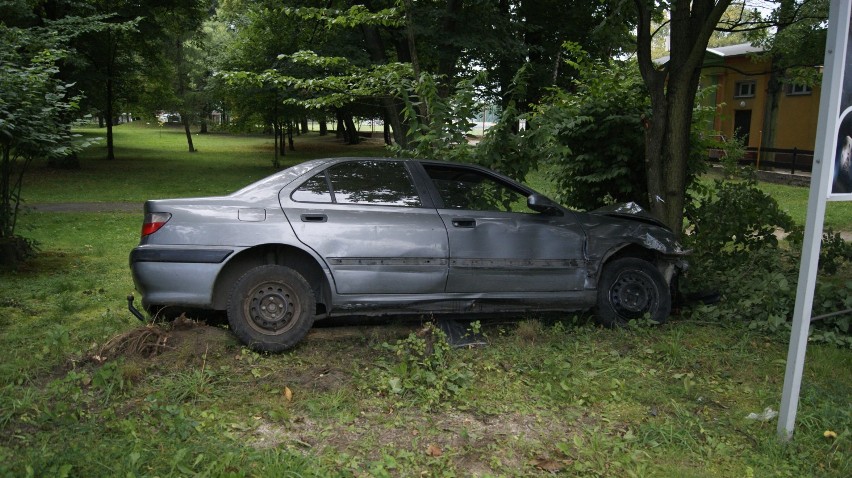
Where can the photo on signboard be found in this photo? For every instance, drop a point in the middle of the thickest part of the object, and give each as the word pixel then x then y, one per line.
pixel 842 171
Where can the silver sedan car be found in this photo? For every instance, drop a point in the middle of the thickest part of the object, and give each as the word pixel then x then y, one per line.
pixel 367 236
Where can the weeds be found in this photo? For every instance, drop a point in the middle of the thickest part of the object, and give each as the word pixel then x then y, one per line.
pixel 424 369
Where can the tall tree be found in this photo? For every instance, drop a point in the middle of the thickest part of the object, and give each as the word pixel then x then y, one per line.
pixel 112 64
pixel 36 112
pixel 672 88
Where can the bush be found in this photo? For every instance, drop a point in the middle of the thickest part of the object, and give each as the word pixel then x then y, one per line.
pixel 733 231
pixel 425 367
pixel 593 139
pixel 14 250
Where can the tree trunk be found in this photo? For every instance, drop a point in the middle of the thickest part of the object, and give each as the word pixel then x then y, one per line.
pixel 351 130
pixel 387 132
pixel 323 125
pixel 185 120
pixel 393 111
pixel 7 228
pixel 672 91
pixel 304 125
pixel 340 132
pixel 290 129
pixel 109 96
pixel 449 52
pixel 203 128
pixel 109 114
pixel 276 163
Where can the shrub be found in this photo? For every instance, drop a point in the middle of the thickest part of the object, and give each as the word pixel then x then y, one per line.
pixel 733 230
pixel 425 367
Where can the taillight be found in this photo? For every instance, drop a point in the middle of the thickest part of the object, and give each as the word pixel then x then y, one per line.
pixel 154 221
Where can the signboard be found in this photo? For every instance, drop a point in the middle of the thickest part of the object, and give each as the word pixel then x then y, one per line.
pixel 840 186
pixel 832 153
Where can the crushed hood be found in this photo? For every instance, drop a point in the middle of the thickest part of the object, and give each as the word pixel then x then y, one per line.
pixel 629 210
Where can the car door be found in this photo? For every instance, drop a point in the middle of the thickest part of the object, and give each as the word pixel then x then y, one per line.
pixel 497 244
pixel 368 221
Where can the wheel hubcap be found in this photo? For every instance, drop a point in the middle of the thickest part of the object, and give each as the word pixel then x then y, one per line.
pixel 633 294
pixel 271 307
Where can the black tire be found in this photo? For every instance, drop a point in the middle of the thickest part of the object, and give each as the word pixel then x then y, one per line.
pixel 271 308
pixel 628 289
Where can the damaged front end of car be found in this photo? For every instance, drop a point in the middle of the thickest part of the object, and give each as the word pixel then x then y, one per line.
pixel 626 229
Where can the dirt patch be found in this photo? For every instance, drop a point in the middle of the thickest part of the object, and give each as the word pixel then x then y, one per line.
pixel 182 335
pixel 465 437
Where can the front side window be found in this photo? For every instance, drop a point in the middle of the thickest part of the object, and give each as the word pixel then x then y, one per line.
pixel 467 189
pixel 745 89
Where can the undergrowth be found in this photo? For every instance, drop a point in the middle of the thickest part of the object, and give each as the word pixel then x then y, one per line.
pixel 734 229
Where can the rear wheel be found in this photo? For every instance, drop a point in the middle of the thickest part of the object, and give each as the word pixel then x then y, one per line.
pixel 271 308
pixel 629 289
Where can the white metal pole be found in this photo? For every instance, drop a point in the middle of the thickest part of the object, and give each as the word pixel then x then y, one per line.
pixel 829 113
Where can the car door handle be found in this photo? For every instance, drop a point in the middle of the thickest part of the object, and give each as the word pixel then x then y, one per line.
pixel 464 222
pixel 314 218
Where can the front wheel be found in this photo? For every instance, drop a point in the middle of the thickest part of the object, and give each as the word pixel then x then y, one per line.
pixel 271 308
pixel 629 289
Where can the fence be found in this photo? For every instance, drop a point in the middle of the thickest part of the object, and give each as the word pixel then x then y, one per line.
pixel 795 159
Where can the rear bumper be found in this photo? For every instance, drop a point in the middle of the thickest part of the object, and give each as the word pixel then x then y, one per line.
pixel 177 275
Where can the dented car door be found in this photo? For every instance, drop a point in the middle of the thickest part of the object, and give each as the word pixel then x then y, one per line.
pixel 497 243
pixel 367 221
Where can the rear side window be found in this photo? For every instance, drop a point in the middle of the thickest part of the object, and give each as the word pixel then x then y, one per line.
pixel 378 183
pixel 313 190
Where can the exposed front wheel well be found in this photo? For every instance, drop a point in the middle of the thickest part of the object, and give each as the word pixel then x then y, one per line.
pixel 273 254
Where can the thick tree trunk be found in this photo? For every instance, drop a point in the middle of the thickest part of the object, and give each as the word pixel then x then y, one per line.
pixel 351 130
pixel 323 125
pixel 304 125
pixel 393 111
pixel 449 52
pixel 672 90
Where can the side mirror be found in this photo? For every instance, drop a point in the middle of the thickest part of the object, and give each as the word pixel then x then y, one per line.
pixel 542 204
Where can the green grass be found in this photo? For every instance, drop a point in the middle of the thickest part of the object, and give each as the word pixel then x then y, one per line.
pixel 794 200
pixel 153 162
pixel 546 394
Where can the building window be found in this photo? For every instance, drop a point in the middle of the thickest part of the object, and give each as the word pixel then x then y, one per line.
pixel 744 89
pixel 794 89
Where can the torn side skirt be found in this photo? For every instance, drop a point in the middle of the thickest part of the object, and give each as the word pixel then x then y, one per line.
pixel 571 301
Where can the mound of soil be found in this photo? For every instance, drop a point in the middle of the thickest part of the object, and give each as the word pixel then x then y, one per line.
pixel 184 335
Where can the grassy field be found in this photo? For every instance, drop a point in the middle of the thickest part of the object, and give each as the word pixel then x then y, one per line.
pixel 153 161
pixel 84 391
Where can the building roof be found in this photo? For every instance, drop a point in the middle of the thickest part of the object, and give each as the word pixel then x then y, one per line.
pixel 715 55
pixel 735 50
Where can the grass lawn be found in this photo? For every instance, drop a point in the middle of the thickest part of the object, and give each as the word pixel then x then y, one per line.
pixel 153 162
pixel 546 395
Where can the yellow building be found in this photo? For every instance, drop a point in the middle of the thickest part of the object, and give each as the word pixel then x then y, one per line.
pixel 741 95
